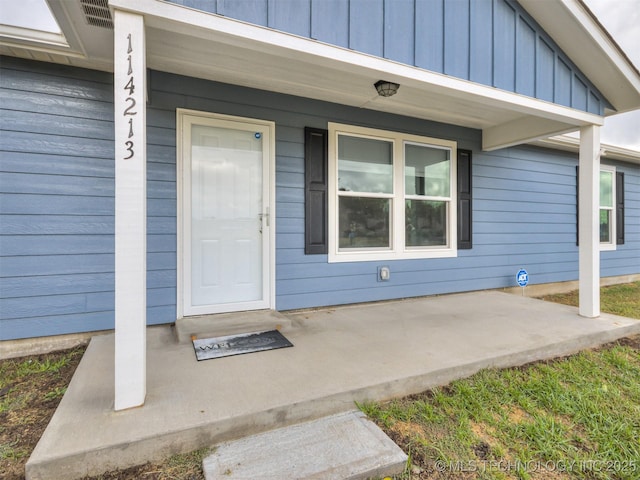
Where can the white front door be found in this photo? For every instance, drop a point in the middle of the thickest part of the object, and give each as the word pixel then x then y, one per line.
pixel 226 226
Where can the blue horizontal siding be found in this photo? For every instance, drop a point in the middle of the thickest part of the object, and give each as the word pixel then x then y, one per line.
pixel 34 163
pixel 57 243
pixel 47 265
pixel 57 205
pixel 56 324
pixel 492 42
pixel 18 245
pixel 43 306
pixel 41 204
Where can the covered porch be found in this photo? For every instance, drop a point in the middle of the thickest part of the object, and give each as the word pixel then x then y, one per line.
pixel 359 353
pixel 132 37
pixel 175 39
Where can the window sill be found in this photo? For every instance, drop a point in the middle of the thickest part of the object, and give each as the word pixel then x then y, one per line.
pixel 377 256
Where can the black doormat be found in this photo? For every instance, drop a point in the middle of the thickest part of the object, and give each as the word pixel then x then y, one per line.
pixel 208 348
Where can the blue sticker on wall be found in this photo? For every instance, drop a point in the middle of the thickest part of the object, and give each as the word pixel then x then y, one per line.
pixel 258 135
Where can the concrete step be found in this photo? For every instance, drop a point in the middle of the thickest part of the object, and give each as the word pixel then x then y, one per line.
pixel 208 326
pixel 342 446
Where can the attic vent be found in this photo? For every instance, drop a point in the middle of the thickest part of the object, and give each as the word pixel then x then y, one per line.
pixel 97 13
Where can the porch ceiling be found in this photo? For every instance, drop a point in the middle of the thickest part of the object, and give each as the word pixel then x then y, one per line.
pixel 189 42
pixel 308 76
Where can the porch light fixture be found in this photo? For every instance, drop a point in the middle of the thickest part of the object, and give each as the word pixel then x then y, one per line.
pixel 386 89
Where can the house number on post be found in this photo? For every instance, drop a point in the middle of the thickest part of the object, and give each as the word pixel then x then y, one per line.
pixel 130 104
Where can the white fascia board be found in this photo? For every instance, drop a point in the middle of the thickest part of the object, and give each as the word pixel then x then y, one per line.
pixel 176 18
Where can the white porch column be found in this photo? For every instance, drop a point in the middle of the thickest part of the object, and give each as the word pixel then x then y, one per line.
pixel 131 209
pixel 589 221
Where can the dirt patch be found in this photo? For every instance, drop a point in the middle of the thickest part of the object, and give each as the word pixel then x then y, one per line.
pixel 184 467
pixel 632 342
pixel 518 415
pixel 482 450
pixel 27 403
pixel 483 432
pixel 407 430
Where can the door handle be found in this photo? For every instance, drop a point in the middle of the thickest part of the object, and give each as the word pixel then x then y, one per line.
pixel 264 216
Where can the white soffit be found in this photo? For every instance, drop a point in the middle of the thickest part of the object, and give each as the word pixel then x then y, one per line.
pixel 579 34
pixel 79 44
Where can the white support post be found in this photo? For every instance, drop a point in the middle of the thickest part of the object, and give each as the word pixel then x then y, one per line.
pixel 131 209
pixel 589 221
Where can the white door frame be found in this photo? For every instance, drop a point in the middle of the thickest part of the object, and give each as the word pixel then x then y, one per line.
pixel 183 213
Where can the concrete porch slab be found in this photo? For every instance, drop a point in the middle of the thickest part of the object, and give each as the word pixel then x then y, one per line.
pixel 340 356
pixel 345 446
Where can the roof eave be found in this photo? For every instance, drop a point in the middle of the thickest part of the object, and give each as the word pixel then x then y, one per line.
pixel 572 144
pixel 584 39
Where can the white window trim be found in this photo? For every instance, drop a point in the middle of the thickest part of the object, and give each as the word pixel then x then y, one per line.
pixel 398 250
pixel 608 246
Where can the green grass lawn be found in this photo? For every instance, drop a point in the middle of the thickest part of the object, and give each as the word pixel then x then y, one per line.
pixel 576 417
pixel 621 299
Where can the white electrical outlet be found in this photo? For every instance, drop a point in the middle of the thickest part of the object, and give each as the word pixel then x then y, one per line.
pixel 384 274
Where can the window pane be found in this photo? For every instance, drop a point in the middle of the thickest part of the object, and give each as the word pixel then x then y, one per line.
pixel 426 171
pixel 425 223
pixel 364 222
pixel 225 139
pixel 606 189
pixel 605 226
pixel 365 165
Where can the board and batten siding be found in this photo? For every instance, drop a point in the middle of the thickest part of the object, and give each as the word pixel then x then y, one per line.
pixel 57 204
pixel 492 42
pixel 56 182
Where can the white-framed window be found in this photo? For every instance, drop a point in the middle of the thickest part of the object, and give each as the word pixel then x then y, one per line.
pixel 607 207
pixel 391 195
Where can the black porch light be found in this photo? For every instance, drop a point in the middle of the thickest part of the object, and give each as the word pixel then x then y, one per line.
pixel 386 89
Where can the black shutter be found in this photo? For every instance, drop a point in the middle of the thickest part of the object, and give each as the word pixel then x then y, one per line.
pixel 619 208
pixel 464 200
pixel 315 190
